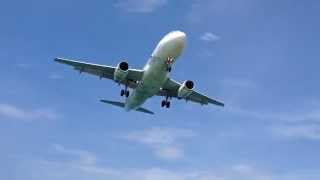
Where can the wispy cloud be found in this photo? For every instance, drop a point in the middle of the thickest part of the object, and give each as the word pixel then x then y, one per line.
pixel 298 131
pixel 74 167
pixel 77 164
pixel 13 112
pixel 82 156
pixel 55 76
pixel 50 170
pixel 209 37
pixel 201 9
pixel 294 124
pixel 245 87
pixel 140 6
pixel 239 83
pixel 312 115
pixel 23 65
pixel 165 142
pixel 236 90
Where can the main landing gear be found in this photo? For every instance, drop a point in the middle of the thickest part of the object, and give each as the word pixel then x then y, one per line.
pixel 165 103
pixel 125 92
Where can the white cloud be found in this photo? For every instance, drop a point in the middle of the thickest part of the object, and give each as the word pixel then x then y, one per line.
pixel 140 6
pixel 14 112
pixel 209 37
pixel 165 142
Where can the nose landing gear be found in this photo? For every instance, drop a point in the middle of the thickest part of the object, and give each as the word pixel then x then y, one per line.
pixel 169 61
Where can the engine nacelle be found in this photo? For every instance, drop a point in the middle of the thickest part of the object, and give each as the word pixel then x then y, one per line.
pixel 121 71
pixel 185 89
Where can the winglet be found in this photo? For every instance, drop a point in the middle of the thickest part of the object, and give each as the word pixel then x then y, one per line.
pixel 62 60
pixel 57 59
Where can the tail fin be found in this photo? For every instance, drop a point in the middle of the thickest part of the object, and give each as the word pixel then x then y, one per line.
pixel 121 104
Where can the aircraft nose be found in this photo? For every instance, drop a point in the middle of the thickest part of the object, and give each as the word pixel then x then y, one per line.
pixel 180 41
pixel 171 45
pixel 180 37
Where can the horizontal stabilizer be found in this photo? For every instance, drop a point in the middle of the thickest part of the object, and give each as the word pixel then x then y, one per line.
pixel 140 109
pixel 115 103
pixel 121 104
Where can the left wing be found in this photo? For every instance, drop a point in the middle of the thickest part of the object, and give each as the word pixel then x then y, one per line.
pixel 171 87
pixel 103 71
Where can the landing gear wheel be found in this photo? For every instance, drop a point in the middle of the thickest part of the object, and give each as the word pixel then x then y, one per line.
pixel 127 93
pixel 163 103
pixel 168 104
pixel 122 92
pixel 169 69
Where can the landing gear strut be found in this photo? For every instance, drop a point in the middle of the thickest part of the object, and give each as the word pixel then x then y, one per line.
pixel 169 62
pixel 125 92
pixel 165 103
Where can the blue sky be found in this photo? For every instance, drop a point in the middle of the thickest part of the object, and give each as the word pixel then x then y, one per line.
pixel 259 57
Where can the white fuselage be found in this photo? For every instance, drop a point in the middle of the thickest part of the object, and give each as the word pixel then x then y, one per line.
pixel 156 70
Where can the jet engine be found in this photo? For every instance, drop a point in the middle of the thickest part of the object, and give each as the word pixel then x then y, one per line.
pixel 121 71
pixel 185 89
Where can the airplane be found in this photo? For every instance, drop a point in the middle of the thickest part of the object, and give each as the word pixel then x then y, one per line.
pixel 152 80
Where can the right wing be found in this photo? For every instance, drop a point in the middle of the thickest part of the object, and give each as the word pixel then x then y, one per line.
pixel 103 71
pixel 171 87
